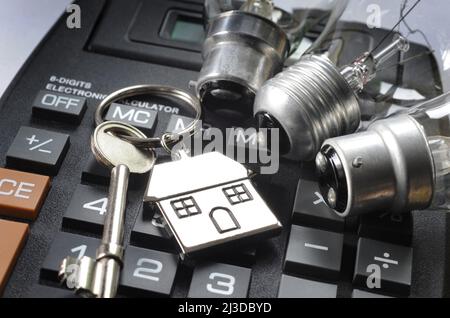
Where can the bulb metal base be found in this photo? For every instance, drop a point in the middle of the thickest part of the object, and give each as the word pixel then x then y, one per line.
pixel 312 101
pixel 242 50
pixel 388 168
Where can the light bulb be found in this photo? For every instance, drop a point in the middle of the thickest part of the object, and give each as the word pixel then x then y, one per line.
pixel 330 91
pixel 399 164
pixel 314 100
pixel 247 43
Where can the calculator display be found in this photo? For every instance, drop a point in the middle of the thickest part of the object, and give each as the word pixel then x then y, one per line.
pixel 188 29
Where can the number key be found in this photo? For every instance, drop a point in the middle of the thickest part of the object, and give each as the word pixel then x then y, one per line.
pixel 87 209
pixel 149 231
pixel 67 244
pixel 148 271
pixel 215 280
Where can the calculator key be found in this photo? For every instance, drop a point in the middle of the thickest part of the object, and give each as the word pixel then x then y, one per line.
pixel 37 150
pixel 148 271
pixel 144 119
pixel 149 231
pixel 42 291
pixel 396 229
pixel 177 123
pixel 67 244
pixel 58 106
pixel 363 294
pixel 383 267
pixel 22 194
pixel 315 253
pixel 87 209
pixel 94 172
pixel 12 240
pixel 311 210
pixel 240 256
pixel 216 280
pixel 293 287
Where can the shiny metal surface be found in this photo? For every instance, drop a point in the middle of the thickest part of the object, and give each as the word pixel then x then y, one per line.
pixel 365 68
pixel 204 179
pixel 112 151
pixel 312 102
pixel 100 277
pixel 241 51
pixel 395 171
pixel 197 172
pixel 142 141
pixel 110 253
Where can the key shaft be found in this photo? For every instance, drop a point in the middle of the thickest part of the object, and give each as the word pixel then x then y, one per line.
pixel 117 197
pixel 111 250
pixel 99 277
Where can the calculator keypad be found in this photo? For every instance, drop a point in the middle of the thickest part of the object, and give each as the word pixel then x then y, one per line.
pixel 320 251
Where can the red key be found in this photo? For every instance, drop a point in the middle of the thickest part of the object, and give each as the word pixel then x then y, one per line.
pixel 22 194
pixel 12 240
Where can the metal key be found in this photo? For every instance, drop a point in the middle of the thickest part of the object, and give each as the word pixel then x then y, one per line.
pixel 100 277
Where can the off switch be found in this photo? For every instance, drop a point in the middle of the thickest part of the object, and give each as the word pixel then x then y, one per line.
pixel 57 106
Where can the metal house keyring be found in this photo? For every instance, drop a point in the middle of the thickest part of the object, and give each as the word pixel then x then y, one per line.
pixel 200 186
pixel 156 90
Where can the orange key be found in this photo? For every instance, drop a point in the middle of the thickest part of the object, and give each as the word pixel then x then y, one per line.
pixel 22 194
pixel 12 240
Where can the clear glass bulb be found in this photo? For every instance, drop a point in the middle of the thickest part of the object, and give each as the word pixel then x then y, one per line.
pixel 408 78
pixel 249 41
pixel 434 119
pixel 295 17
pixel 400 163
pixel 380 57
pixel 263 8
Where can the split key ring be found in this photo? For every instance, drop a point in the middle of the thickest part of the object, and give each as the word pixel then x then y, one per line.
pixel 168 139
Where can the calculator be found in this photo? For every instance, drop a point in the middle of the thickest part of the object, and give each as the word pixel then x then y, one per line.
pixel 53 193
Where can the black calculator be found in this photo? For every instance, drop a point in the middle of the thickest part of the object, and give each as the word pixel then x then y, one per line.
pixel 53 193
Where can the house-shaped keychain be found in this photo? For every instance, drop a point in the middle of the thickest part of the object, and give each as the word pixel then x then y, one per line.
pixel 208 201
